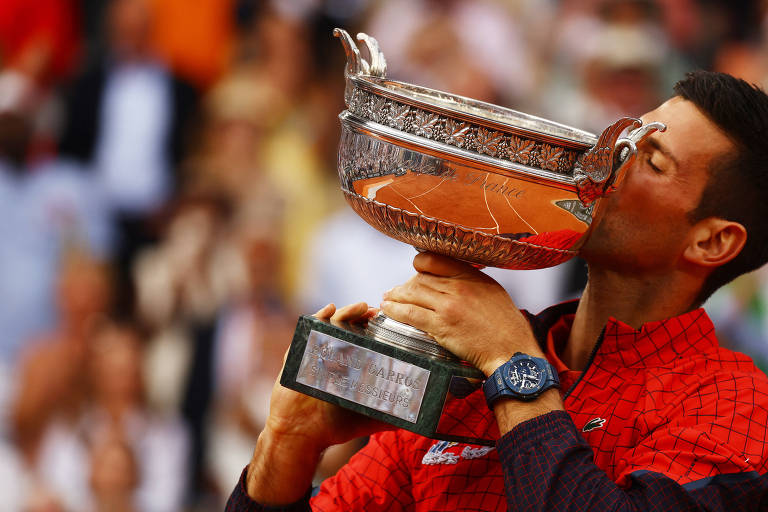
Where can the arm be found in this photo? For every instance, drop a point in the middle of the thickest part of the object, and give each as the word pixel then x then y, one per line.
pixel 548 467
pixel 375 479
pixel 299 428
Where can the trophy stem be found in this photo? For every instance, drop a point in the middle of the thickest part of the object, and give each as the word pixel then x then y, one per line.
pixel 389 331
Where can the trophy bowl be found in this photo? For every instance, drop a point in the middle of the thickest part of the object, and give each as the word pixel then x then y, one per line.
pixel 458 177
pixel 462 178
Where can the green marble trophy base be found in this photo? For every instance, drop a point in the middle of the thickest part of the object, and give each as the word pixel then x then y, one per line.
pixel 348 367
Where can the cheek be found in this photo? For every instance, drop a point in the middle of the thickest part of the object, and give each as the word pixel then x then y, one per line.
pixel 647 196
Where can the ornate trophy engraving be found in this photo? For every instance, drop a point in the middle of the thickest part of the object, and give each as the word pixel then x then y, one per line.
pixel 459 177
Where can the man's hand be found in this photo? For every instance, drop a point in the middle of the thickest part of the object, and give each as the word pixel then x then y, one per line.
pixel 471 315
pixel 299 428
pixel 466 311
pixel 295 414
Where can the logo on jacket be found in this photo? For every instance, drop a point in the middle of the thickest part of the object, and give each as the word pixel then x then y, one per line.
pixel 593 424
pixel 438 453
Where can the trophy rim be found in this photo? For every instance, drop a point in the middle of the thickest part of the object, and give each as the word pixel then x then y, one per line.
pixel 477 112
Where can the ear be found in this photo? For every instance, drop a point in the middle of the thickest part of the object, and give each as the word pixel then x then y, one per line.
pixel 714 242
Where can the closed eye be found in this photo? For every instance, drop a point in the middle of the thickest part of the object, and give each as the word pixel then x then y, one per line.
pixel 655 169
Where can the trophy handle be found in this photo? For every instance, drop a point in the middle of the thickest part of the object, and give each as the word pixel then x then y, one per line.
pixel 356 64
pixel 601 169
pixel 378 65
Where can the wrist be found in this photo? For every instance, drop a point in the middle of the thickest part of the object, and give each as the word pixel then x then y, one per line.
pixel 510 413
pixel 282 467
pixel 493 364
pixel 528 345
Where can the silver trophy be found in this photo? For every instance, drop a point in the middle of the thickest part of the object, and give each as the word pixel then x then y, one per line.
pixel 458 177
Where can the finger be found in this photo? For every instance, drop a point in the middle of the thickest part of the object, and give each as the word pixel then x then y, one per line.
pixel 350 313
pixel 415 316
pixel 326 311
pixel 365 316
pixel 439 265
pixel 415 293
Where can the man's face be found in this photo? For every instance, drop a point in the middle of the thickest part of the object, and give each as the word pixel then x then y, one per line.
pixel 645 222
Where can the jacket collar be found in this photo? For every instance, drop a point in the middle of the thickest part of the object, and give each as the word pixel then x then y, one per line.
pixel 653 344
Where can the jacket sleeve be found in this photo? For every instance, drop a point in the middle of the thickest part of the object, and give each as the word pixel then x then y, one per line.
pixel 239 501
pixel 548 467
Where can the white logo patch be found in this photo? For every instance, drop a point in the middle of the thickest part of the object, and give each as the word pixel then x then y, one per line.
pixel 475 453
pixel 438 453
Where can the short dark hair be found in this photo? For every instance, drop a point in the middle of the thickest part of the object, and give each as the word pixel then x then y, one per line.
pixel 737 188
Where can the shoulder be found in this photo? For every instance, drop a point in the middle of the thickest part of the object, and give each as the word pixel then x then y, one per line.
pixel 717 376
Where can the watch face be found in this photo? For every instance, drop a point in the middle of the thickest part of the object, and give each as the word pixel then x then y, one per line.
pixel 525 376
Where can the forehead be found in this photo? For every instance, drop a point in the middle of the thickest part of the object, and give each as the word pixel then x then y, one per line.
pixel 691 137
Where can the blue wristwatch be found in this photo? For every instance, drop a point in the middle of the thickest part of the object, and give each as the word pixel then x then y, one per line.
pixel 523 377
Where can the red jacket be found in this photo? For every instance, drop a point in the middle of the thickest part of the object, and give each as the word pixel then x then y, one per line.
pixel 665 399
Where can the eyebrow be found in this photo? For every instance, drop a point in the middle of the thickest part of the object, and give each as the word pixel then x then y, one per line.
pixel 661 148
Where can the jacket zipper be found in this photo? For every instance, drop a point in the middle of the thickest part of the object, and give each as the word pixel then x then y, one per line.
pixel 589 363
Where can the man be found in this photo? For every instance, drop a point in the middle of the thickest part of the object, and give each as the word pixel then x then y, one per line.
pixel 655 409
pixel 128 99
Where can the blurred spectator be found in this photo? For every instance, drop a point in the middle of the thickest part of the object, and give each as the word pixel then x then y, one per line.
pixel 45 210
pixel 52 380
pixel 38 46
pixel 616 59
pixel 201 267
pixel 740 312
pixel 198 268
pixel 193 272
pixel 181 284
pixel 158 438
pixel 289 153
pixel 115 403
pixel 126 118
pixel 251 337
pixel 429 42
pixel 114 474
pixel 240 113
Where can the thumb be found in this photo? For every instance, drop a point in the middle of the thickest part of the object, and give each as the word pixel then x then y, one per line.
pixel 435 264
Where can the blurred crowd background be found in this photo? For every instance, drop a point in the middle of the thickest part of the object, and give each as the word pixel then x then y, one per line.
pixel 169 205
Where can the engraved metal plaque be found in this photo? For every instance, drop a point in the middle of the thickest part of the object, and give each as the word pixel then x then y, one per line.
pixel 363 376
pixel 342 364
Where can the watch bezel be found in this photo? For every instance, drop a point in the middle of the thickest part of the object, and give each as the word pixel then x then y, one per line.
pixel 525 393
